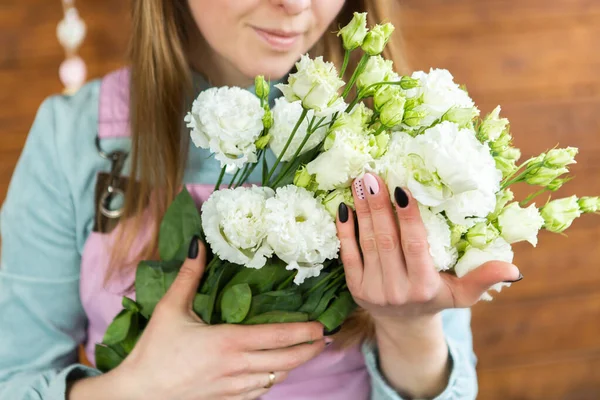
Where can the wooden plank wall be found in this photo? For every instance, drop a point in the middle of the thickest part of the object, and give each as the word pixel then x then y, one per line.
pixel 539 59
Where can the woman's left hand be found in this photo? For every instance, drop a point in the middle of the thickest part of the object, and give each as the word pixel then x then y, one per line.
pixel 395 275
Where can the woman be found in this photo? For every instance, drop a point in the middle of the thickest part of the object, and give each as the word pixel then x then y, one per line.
pixel 62 275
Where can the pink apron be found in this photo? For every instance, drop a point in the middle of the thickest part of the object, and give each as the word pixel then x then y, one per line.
pixel 333 375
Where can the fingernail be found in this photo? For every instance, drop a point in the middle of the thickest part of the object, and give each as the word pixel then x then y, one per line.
pixel 193 250
pixel 359 189
pixel 343 212
pixel 516 280
pixel 401 197
pixel 371 183
pixel 332 332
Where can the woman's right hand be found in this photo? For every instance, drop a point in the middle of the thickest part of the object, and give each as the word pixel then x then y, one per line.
pixel 180 357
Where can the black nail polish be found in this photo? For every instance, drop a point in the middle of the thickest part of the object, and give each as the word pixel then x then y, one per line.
pixel 516 280
pixel 193 250
pixel 332 332
pixel 401 197
pixel 343 212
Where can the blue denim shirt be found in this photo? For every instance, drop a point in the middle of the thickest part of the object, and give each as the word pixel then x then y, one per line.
pixel 44 223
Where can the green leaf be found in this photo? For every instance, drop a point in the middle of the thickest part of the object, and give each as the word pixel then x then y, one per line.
pixel 236 303
pixel 132 336
pixel 265 167
pixel 273 317
pixel 118 329
pixel 280 300
pixel 200 303
pixel 262 280
pixel 223 272
pixel 179 225
pixel 131 305
pixel 107 358
pixel 323 303
pixel 337 313
pixel 152 280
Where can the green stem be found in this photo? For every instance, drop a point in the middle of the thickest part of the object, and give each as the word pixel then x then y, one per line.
pixel 359 70
pixel 220 178
pixel 325 280
pixel 335 282
pixel 345 64
pixel 531 197
pixel 354 102
pixel 284 284
pixel 248 171
pixel 214 262
pixel 379 130
pixel 289 141
pixel 233 179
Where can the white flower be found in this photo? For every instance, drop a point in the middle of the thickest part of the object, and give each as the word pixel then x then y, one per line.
pixel 347 156
pixel 285 117
pixel 300 231
pixel 518 224
pixel 227 121
pixel 439 238
pixel 377 70
pixel 316 84
pixel 498 250
pixel 492 126
pixel 463 207
pixel 234 221
pixel 437 94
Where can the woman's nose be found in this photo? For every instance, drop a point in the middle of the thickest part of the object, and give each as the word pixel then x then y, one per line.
pixel 293 6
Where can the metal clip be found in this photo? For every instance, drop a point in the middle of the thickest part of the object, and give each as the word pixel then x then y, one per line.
pixel 117 159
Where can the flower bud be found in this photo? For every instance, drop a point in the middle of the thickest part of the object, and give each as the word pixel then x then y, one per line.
pixel 503 141
pixel 377 38
pixel 267 119
pixel 544 176
pixel 557 184
pixel 392 112
pixel 492 126
pixel 407 83
pixel 505 165
pixel 354 33
pixel 332 200
pixel 520 224
pixel 589 204
pixel 379 144
pixel 461 116
pixel 384 94
pixel 559 158
pixel 302 178
pixel 263 141
pixel 261 87
pixel 376 71
pixel 502 199
pixel 356 121
pixel 560 214
pixel 413 117
pixel 481 234
pixel 456 233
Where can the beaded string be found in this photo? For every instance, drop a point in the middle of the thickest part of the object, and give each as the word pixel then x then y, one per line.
pixel 70 32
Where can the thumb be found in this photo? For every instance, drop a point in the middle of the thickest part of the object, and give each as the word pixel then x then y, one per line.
pixel 183 289
pixel 469 289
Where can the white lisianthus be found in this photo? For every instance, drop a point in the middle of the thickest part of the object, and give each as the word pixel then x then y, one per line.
pixel 468 206
pixel 439 238
pixel 518 224
pixel 437 94
pixel 285 117
pixel 227 120
pixel 347 156
pixel 377 70
pixel 357 120
pixel 559 214
pixel 332 200
pixel 492 126
pixel 234 223
pixel 498 250
pixel 300 231
pixel 316 84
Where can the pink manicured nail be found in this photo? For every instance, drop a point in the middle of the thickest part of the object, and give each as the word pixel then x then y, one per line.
pixel 359 189
pixel 371 183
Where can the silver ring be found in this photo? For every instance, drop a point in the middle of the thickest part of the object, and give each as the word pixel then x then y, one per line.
pixel 112 214
pixel 271 380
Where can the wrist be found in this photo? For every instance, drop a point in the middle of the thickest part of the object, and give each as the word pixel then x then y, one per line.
pixel 114 385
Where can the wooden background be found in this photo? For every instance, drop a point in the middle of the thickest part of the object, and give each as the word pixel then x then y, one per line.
pixel 539 59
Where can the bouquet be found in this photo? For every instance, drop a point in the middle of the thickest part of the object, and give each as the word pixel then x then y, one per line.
pixel 275 248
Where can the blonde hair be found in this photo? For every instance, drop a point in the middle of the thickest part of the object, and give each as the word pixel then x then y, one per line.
pixel 160 84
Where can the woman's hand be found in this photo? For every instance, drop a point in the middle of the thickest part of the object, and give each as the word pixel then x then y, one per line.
pixel 395 275
pixel 180 357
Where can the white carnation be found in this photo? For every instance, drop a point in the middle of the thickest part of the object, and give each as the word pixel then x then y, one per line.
pixel 348 155
pixel 300 231
pixel 498 250
pixel 234 223
pixel 518 224
pixel 316 84
pixel 227 120
pixel 437 94
pixel 439 239
pixel 285 117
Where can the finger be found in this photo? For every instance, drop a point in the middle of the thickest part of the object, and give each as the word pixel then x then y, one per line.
pixel 251 386
pixel 284 359
pixel 349 251
pixel 468 290
pixel 184 287
pixel 275 336
pixel 387 238
pixel 372 274
pixel 413 237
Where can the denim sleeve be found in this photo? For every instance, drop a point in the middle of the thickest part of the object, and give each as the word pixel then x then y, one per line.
pixel 462 384
pixel 42 320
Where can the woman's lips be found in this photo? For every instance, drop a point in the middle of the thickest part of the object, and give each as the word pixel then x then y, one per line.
pixel 278 40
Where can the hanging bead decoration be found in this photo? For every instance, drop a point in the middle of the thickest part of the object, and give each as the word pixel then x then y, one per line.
pixel 70 33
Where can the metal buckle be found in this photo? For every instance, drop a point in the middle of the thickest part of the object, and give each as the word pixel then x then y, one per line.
pixel 117 159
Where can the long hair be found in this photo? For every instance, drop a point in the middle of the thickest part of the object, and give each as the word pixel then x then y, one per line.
pixel 160 84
